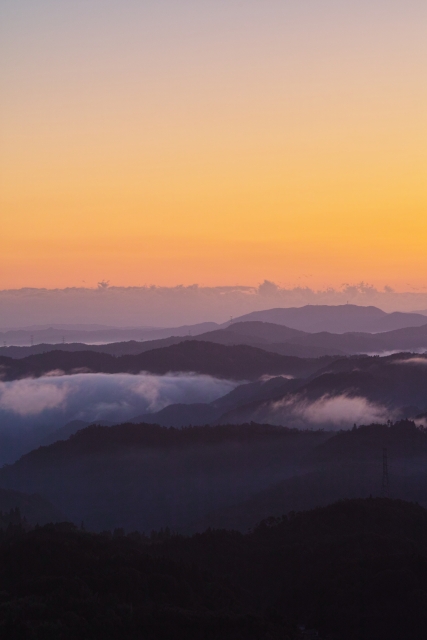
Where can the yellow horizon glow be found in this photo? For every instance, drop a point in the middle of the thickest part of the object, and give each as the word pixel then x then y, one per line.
pixel 302 161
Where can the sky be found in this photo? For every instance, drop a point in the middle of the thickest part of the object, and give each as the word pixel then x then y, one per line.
pixel 221 142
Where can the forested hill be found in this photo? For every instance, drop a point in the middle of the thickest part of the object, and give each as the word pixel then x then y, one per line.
pixel 33 507
pixel 354 570
pixel 239 362
pixel 147 477
pixel 402 440
pixel 61 582
pixel 118 439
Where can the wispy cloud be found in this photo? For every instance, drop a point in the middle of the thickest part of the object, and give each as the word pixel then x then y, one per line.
pixel 31 397
pixel 412 361
pixel 173 306
pixel 332 412
pixel 57 399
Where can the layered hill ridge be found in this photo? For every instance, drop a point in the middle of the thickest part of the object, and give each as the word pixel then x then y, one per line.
pixel 346 390
pixel 96 334
pixel 268 336
pixel 393 386
pixel 346 465
pixel 148 477
pixel 234 362
pixel 281 339
pixel 309 318
pixel 336 318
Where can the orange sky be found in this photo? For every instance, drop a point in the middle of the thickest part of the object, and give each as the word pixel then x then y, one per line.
pixel 213 142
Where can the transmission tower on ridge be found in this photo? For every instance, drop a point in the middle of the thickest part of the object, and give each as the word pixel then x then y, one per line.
pixel 385 492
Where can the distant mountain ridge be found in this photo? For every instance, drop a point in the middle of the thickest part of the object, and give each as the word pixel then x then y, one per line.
pixel 310 318
pixel 275 337
pixel 97 335
pixel 262 335
pixel 336 319
pixel 395 385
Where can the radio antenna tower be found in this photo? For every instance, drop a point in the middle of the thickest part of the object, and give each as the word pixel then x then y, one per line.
pixel 385 492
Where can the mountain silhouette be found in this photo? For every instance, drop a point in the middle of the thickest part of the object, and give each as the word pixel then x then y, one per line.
pixel 264 335
pixel 336 318
pixel 234 362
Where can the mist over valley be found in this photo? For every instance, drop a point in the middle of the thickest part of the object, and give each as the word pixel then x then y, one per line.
pixel 237 374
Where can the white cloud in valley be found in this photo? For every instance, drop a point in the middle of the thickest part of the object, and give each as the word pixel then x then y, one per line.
pixel 57 399
pixel 331 412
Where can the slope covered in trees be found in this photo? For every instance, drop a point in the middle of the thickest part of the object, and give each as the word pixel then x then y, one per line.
pixel 145 476
pixel 148 477
pixel 356 569
pixel 58 582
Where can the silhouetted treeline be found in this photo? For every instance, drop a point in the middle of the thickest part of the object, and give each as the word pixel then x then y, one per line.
pixel 128 435
pixel 403 439
pixel 34 508
pixel 355 570
pixel 11 523
pixel 59 582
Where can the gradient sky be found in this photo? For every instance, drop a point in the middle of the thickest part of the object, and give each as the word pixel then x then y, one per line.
pixel 213 141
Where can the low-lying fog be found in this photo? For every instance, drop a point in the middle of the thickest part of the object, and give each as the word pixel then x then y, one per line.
pixel 33 411
pixel 30 408
pixel 96 396
pixel 334 412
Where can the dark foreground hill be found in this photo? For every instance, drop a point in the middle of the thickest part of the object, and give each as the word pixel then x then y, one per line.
pixel 355 570
pixel 34 508
pixel 57 582
pixel 240 362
